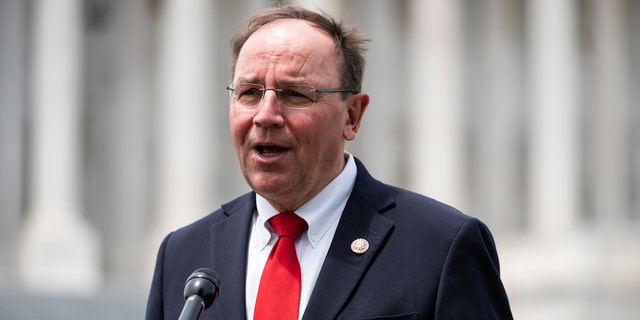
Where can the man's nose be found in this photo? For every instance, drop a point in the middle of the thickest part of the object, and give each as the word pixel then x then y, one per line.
pixel 269 111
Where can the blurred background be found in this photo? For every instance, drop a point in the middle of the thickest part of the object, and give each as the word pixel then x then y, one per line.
pixel 523 113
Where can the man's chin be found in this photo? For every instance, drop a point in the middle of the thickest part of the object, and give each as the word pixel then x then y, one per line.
pixel 268 184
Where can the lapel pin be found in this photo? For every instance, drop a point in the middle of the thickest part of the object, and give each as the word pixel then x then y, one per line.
pixel 359 246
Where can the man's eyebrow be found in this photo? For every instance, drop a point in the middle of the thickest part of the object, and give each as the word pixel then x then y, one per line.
pixel 287 82
pixel 246 80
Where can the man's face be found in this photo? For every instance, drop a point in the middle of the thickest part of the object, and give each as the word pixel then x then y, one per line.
pixel 289 155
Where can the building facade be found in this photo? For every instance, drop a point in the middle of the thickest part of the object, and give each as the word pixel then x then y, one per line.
pixel 523 113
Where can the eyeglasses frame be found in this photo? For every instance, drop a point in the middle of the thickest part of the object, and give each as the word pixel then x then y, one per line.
pixel 264 89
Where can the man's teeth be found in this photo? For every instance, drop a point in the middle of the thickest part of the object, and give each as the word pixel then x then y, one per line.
pixel 270 151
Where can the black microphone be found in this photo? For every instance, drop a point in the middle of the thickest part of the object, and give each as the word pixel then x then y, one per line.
pixel 200 291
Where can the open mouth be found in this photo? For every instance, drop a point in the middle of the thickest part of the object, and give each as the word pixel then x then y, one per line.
pixel 270 151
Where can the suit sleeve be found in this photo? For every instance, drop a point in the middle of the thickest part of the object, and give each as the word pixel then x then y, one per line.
pixel 470 285
pixel 155 306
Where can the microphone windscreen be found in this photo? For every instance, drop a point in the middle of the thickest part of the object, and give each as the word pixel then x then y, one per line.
pixel 205 283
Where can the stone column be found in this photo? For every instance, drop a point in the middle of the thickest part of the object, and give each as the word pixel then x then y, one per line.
pixel 13 40
pixel 554 160
pixel 436 155
pixel 496 108
pixel 608 143
pixel 634 44
pixel 60 251
pixel 119 60
pixel 332 7
pixel 380 142
pixel 185 93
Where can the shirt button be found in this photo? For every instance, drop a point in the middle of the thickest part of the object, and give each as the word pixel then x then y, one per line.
pixel 314 238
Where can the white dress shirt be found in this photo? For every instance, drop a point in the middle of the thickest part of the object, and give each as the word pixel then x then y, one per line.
pixel 321 213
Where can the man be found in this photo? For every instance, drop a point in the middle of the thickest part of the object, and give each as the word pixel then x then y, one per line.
pixel 366 250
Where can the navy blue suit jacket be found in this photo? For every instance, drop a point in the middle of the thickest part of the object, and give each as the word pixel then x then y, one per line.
pixel 426 261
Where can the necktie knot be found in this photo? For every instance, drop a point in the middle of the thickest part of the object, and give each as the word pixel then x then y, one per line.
pixel 288 225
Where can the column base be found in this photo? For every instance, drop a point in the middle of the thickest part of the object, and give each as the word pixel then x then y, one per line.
pixel 584 274
pixel 59 253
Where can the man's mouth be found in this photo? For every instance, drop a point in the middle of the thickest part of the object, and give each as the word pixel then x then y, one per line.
pixel 269 151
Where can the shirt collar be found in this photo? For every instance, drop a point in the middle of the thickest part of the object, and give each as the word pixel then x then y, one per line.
pixel 320 212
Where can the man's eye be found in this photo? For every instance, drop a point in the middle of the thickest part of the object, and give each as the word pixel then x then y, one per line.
pixel 250 92
pixel 296 94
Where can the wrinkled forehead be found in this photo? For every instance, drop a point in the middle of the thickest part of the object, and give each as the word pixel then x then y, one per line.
pixel 291 48
pixel 301 31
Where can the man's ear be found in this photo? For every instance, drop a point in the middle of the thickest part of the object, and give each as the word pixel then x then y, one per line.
pixel 357 105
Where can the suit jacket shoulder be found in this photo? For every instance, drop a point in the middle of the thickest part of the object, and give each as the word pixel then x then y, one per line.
pixel 426 260
pixel 217 241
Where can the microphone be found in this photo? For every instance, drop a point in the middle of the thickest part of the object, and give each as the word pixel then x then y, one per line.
pixel 200 291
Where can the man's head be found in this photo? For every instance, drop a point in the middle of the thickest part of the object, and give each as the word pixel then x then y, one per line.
pixel 289 150
pixel 349 43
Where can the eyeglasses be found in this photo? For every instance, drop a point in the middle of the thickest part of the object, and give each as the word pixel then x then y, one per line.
pixel 292 96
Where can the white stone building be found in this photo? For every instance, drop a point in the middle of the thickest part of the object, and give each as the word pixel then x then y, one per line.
pixel 524 113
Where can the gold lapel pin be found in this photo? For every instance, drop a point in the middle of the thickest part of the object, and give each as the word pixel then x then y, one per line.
pixel 359 246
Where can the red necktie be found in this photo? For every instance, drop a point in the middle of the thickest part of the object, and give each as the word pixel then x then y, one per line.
pixel 279 291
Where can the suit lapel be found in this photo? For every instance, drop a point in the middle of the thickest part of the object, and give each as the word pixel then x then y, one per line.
pixel 230 239
pixel 342 268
